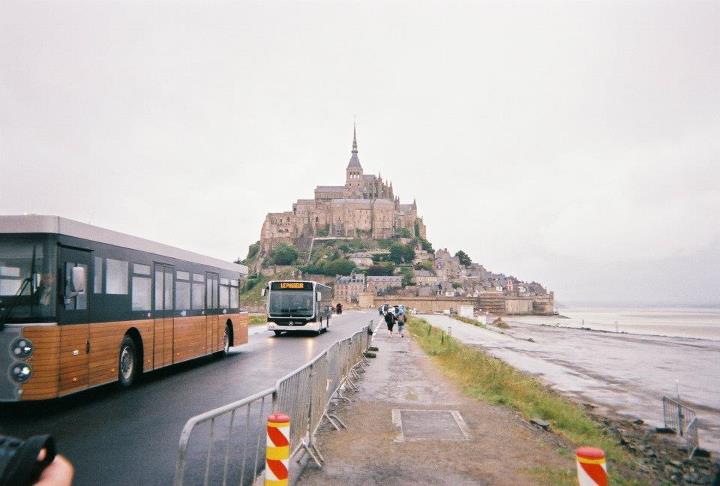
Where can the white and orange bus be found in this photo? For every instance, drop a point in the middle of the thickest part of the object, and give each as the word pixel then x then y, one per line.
pixel 82 306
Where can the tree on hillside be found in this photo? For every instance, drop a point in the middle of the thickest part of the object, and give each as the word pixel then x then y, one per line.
pixel 407 277
pixel 340 266
pixel 426 245
pixel 284 254
pixel 400 253
pixel 253 251
pixel 464 258
pixel 386 268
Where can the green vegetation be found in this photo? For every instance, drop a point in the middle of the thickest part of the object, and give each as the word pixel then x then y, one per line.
pixel 400 253
pixel 403 233
pixel 467 320
pixel 486 378
pixel 250 293
pixel 284 254
pixel 385 268
pixel 257 319
pixel 331 267
pixel 424 265
pixel 426 245
pixel 464 258
pixel 407 276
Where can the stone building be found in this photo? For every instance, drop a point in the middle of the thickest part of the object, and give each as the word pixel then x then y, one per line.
pixel 381 283
pixel 348 288
pixel 365 207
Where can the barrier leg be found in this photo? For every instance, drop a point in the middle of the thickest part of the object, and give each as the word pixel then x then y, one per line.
pixel 278 450
pixel 591 467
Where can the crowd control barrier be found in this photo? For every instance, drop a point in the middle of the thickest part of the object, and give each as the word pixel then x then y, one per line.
pixel 227 445
pixel 683 421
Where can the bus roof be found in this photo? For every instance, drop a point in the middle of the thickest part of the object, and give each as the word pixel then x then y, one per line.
pixel 35 223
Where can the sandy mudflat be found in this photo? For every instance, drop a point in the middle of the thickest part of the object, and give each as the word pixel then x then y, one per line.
pixel 625 373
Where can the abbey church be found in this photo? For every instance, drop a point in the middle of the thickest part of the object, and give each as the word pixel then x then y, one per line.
pixel 365 207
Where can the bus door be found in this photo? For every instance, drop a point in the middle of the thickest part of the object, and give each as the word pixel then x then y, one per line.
pixel 212 304
pixel 73 317
pixel 163 314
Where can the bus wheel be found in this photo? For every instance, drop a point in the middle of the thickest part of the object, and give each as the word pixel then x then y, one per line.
pixel 277 333
pixel 128 363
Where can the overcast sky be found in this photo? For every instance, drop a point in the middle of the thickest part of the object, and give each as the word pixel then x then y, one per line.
pixel 572 143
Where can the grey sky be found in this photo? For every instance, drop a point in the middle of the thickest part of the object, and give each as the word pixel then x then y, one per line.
pixel 572 143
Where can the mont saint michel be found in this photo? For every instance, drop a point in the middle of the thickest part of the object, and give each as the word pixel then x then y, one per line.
pixel 367 244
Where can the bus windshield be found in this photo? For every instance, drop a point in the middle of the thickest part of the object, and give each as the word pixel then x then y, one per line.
pixel 291 303
pixel 27 279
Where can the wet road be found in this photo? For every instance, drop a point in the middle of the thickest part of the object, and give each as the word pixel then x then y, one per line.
pixel 625 373
pixel 130 437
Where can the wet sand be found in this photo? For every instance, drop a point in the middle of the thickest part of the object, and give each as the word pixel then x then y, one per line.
pixel 623 373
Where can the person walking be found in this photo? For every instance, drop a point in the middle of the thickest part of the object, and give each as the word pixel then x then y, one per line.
pixel 390 321
pixel 401 320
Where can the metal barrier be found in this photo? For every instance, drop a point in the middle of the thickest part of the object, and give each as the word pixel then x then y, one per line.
pixel 683 421
pixel 305 395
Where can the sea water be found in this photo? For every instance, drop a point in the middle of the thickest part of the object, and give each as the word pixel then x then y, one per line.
pixel 692 322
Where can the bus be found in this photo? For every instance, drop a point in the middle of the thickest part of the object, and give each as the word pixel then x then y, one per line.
pixel 82 306
pixel 298 305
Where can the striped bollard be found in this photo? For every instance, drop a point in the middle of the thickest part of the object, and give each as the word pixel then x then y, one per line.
pixel 278 450
pixel 591 467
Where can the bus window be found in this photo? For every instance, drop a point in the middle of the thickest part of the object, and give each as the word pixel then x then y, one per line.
pixel 198 292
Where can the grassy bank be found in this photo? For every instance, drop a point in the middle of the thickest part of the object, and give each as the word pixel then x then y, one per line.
pixel 486 378
pixel 257 319
pixel 467 320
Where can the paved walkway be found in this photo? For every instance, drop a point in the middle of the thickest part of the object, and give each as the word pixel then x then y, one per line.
pixel 500 449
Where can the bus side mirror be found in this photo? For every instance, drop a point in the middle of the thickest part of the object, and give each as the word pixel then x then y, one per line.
pixel 319 296
pixel 262 292
pixel 78 279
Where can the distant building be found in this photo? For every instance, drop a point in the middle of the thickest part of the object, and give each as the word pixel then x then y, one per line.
pixel 425 278
pixel 349 288
pixel 381 283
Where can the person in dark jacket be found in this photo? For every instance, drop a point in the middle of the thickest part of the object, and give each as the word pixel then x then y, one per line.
pixel 390 321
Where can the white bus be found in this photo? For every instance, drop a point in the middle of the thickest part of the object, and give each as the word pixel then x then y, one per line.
pixel 298 305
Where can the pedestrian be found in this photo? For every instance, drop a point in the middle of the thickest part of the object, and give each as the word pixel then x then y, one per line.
pixel 390 321
pixel 402 318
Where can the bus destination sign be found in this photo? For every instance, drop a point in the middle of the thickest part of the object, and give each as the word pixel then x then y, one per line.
pixel 291 286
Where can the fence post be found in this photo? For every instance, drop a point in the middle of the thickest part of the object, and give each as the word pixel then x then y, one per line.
pixel 277 454
pixel 591 467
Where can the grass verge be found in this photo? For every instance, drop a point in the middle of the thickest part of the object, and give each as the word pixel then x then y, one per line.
pixel 467 320
pixel 257 319
pixel 484 377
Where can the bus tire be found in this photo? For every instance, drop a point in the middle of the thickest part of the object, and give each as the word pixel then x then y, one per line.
pixel 128 362
pixel 277 333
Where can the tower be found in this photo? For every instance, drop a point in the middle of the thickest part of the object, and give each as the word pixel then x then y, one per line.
pixel 354 171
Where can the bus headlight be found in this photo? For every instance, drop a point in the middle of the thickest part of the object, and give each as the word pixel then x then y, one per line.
pixel 20 372
pixel 21 348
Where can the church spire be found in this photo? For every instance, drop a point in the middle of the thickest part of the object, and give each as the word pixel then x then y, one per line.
pixel 354 147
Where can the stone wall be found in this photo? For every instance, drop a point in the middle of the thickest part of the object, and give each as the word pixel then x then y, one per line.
pixel 519 305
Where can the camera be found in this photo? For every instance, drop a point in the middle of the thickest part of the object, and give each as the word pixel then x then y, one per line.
pixel 20 462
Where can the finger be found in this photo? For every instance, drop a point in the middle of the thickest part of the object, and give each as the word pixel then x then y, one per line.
pixel 42 455
pixel 59 473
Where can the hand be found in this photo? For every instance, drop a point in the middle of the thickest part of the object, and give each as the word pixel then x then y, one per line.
pixel 58 473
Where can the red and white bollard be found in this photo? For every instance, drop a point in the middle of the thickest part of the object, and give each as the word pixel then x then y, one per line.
pixel 277 454
pixel 591 467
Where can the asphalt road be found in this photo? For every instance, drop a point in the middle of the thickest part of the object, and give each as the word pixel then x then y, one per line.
pixel 126 437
